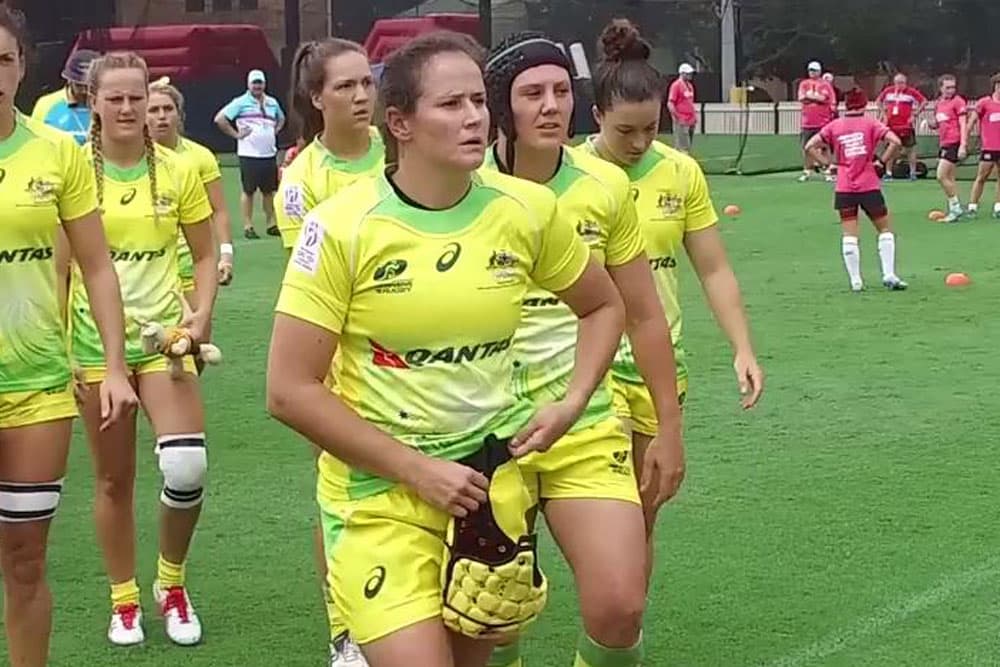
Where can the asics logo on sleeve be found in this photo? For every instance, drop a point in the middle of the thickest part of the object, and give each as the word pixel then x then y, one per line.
pixel 128 197
pixel 19 255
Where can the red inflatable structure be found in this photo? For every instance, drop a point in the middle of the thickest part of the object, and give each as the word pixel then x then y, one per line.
pixel 387 35
pixel 188 52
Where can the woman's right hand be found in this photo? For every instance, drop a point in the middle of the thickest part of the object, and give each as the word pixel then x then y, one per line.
pixel 451 487
pixel 118 399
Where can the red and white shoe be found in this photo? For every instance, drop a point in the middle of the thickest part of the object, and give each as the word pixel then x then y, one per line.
pixel 126 625
pixel 182 624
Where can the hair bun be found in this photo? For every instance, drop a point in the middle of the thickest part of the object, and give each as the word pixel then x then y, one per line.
pixel 621 41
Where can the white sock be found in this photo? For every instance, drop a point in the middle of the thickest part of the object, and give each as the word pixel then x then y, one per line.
pixel 954 204
pixel 887 253
pixel 852 258
pixel 973 207
pixel 996 207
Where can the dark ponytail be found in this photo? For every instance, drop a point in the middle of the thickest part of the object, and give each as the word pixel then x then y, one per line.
pixel 308 79
pixel 624 73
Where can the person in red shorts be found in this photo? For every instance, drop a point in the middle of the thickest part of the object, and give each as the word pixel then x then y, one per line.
pixel 817 97
pixel 951 122
pixel 900 103
pixel 853 140
pixel 988 116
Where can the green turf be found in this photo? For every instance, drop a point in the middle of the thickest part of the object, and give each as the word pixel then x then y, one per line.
pixel 849 521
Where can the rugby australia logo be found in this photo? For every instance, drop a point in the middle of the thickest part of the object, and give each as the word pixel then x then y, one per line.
pixel 388 278
pixel 42 191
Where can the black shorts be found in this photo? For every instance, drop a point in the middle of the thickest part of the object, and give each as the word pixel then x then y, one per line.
pixel 949 153
pixel 871 202
pixel 259 173
pixel 808 133
pixel 993 157
pixel 907 136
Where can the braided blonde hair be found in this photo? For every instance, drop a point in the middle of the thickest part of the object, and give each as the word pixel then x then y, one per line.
pixel 107 62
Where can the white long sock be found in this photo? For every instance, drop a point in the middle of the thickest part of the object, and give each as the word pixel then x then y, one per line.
pixel 954 204
pixel 852 258
pixel 887 253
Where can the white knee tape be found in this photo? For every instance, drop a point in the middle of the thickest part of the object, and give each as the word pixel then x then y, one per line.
pixel 22 502
pixel 183 462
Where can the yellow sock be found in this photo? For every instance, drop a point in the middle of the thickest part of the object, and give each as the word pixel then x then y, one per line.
pixel 127 592
pixel 507 655
pixel 170 575
pixel 591 654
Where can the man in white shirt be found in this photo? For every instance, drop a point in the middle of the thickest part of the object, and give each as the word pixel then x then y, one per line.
pixel 254 120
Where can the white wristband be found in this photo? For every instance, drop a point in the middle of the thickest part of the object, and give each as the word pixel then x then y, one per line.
pixel 226 249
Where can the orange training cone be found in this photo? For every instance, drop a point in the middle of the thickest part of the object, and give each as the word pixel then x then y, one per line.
pixel 957 280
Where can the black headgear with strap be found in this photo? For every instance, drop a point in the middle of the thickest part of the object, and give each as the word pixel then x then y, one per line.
pixel 514 55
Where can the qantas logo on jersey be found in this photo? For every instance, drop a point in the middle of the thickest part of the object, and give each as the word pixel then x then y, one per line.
pixel 419 357
pixel 137 255
pixel 25 255
pixel 541 302
pixel 658 263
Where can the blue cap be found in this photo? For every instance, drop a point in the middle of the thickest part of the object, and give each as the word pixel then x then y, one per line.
pixel 78 64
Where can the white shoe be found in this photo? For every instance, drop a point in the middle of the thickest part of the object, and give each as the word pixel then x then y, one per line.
pixel 857 287
pixel 182 624
pixel 344 652
pixel 126 625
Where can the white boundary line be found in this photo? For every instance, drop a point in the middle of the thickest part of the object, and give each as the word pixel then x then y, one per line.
pixel 891 614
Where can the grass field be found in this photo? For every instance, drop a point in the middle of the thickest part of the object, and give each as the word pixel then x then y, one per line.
pixel 850 520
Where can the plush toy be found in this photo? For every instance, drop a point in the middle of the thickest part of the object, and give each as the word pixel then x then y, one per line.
pixel 176 342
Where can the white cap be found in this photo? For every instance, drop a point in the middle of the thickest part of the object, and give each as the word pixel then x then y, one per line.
pixel 256 75
pixel 685 68
pixel 815 66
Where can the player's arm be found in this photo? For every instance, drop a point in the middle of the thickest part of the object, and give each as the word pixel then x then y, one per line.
pixel 223 231
pixel 645 322
pixel 196 218
pixel 707 253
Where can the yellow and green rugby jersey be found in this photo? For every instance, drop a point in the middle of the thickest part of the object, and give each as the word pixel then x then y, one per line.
pixel 593 197
pixel 143 249
pixel 205 164
pixel 316 174
pixel 44 179
pixel 672 199
pixel 426 304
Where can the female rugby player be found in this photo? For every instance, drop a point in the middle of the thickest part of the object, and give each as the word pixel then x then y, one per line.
pixel 147 194
pixel 333 100
pixel 165 115
pixel 854 140
pixel 675 212
pixel 586 482
pixel 415 280
pixel 44 187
